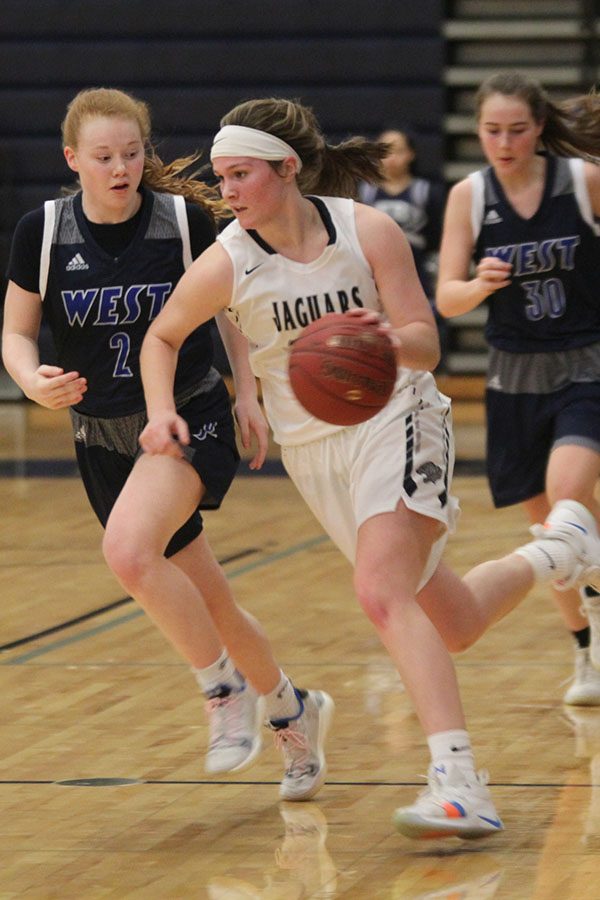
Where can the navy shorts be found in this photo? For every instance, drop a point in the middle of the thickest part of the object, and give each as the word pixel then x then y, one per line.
pixel 107 449
pixel 523 429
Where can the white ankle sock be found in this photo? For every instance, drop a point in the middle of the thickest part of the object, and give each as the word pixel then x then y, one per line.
pixel 220 673
pixel 282 702
pixel 550 560
pixel 450 748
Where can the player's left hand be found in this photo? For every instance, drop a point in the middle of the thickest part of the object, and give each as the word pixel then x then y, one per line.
pixel 164 434
pixel 374 317
pixel 253 426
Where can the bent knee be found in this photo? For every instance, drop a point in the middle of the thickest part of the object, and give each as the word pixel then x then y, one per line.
pixel 376 610
pixel 125 559
pixel 373 601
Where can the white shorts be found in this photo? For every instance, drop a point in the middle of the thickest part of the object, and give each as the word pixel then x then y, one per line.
pixel 405 452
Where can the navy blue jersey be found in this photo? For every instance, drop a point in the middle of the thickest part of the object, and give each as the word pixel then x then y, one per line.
pixel 99 305
pixel 419 210
pixel 553 300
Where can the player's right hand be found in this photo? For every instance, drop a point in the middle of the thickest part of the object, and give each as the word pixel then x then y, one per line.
pixel 165 434
pixel 52 387
pixel 493 273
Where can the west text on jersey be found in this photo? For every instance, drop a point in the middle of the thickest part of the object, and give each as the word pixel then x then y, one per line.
pixel 114 305
pixel 533 257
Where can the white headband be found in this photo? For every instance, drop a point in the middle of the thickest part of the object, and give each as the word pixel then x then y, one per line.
pixel 237 140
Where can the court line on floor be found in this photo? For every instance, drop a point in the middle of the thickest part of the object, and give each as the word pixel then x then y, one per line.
pixel 191 782
pixel 122 620
pixel 100 610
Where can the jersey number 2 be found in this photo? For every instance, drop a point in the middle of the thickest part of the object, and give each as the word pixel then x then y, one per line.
pixel 120 343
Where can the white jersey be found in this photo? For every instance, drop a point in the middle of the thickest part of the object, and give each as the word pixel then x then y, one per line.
pixel 274 297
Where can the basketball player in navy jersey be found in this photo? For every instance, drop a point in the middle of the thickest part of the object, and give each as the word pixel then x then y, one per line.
pixel 417 205
pixel 102 263
pixel 381 489
pixel 530 222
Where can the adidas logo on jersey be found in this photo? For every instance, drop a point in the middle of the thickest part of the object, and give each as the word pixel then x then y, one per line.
pixel 492 218
pixel 494 384
pixel 77 263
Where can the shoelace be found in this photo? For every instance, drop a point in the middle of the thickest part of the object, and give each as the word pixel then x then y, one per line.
pixel 221 712
pixel 435 781
pixel 290 742
pixel 426 790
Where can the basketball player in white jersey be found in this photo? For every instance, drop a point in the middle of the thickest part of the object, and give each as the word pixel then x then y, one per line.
pixel 381 489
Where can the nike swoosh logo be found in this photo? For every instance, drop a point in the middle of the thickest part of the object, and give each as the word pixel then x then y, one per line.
pixel 247 271
pixel 548 557
pixel 580 527
pixel 495 822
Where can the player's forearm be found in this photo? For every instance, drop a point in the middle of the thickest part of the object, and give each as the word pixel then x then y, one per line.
pixel 21 357
pixel 456 297
pixel 158 362
pixel 419 346
pixel 236 347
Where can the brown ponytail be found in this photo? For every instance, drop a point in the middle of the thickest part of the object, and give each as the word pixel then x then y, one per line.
pixel 334 170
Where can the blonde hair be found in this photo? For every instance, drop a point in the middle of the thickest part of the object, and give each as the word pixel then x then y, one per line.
pixel 334 170
pixel 157 175
pixel 571 127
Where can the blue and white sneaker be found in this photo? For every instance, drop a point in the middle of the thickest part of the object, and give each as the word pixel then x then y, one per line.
pixel 301 740
pixel 235 719
pixel 573 523
pixel 454 804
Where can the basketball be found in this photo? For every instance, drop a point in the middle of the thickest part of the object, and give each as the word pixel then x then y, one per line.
pixel 342 370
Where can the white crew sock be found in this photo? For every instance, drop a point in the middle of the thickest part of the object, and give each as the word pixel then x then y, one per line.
pixel 282 702
pixel 551 560
pixel 220 674
pixel 451 748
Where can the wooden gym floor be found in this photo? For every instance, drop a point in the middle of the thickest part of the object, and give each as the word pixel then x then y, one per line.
pixel 102 729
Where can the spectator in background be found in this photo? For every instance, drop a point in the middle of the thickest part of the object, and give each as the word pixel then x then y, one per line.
pixel 417 205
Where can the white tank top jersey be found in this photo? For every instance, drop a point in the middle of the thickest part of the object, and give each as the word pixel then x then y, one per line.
pixel 274 297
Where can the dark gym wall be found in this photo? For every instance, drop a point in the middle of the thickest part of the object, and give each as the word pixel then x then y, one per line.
pixel 359 64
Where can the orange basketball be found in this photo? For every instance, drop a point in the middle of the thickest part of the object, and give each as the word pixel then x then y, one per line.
pixel 342 370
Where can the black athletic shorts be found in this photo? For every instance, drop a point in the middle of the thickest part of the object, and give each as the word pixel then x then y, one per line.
pixel 523 429
pixel 107 449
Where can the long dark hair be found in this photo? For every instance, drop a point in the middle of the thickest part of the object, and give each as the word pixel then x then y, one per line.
pixel 571 127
